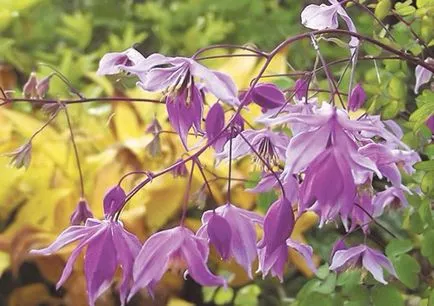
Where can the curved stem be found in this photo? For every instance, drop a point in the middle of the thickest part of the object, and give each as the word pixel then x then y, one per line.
pixel 187 194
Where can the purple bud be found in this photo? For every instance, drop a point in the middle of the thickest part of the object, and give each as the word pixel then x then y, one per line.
pixel 43 86
pixel 220 235
pixel 81 213
pixel 29 89
pixel 154 127
pixel 357 98
pixel 300 89
pixel 113 200
pixel 268 96
pixel 21 156
pixel 215 121
pixel 180 170
pixel 430 123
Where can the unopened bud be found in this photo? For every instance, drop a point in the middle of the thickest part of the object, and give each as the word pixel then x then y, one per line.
pixel 357 98
pixel 81 213
pixel 180 170
pixel 29 89
pixel 21 156
pixel 43 86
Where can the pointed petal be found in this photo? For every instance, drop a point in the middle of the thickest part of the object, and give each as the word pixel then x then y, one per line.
pixel 342 257
pixel 423 76
pixel 220 235
pixel 319 17
pixel 370 264
pixel 304 250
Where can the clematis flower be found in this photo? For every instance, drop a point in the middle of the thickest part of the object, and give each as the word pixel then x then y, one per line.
pixel 269 181
pixel 320 17
pixel 357 98
pixel 362 255
pixel 113 201
pixel 270 145
pixel 112 63
pixel 430 123
pixel 177 249
pixel 183 81
pixel 81 213
pixel 239 241
pixel 108 244
pixel 388 160
pixel 423 75
pixel 387 197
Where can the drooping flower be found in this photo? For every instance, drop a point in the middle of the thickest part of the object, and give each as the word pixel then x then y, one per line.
pixel 112 63
pixel 423 75
pixel 81 213
pixel 269 181
pixel 109 245
pixel 183 81
pixel 29 88
pixel 320 17
pixel 357 98
pixel 430 123
pixel 43 86
pixel 271 146
pixel 362 255
pixel 22 156
pixel 389 160
pixel 113 201
pixel 178 249
pixel 241 242
pixel 385 198
pixel 301 89
pixel 180 170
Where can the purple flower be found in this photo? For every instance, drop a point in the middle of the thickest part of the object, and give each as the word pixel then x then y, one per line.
pixel 114 199
pixel 29 88
pixel 268 96
pixel 241 242
pixel 22 156
pixel 109 245
pixel 177 248
pixel 387 160
pixel 357 98
pixel 320 17
pixel 270 145
pixel 274 263
pixel 112 63
pixel 430 123
pixel 387 197
pixel 180 170
pixel 423 75
pixel 269 181
pixel 81 213
pixel 372 260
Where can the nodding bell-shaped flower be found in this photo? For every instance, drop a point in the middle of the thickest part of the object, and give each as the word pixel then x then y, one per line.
pixel 177 249
pixel 108 246
pixel 320 17
pixel 357 98
pixel 268 96
pixel 22 156
pixel 115 62
pixel 362 255
pixel 81 213
pixel 423 75
pixel 237 241
pixel 271 146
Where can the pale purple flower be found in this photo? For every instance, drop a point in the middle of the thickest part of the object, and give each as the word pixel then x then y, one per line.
pixel 112 63
pixel 388 160
pixel 357 98
pixel 269 181
pixel 241 242
pixel 301 89
pixel 423 75
pixel 22 156
pixel 29 88
pixel 320 17
pixel 177 249
pixel 270 145
pixel 180 170
pixel 362 255
pixel 387 197
pixel 362 212
pixel 268 96
pixel 109 246
pixel 114 199
pixel 43 86
pixel 81 213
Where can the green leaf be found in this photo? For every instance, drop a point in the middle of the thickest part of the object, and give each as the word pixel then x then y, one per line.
pixel 349 278
pixel 407 269
pixel 427 165
pixel 427 184
pixel 208 293
pixel 317 299
pixel 323 271
pixel 386 295
pixel 224 296
pixel 382 9
pixel 328 286
pixel 405 8
pixel 427 245
pixel 248 295
pixel 397 247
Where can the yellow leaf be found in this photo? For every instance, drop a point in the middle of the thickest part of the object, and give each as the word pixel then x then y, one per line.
pixel 4 262
pixel 126 122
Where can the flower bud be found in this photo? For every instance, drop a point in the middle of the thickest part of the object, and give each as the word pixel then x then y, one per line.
pixel 357 98
pixel 43 85
pixel 81 213
pixel 21 156
pixel 113 200
pixel 29 89
pixel 300 89
pixel 180 170
pixel 268 96
pixel 430 123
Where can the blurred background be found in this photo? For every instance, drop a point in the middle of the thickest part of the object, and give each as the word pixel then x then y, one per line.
pixel 71 36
